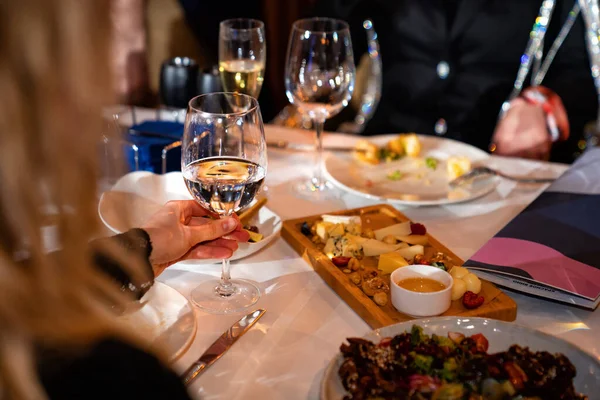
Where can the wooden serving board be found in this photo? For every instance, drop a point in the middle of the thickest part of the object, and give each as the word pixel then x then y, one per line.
pixel 497 305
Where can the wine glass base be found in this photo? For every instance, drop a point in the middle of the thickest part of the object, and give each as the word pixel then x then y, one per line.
pixel 309 190
pixel 206 297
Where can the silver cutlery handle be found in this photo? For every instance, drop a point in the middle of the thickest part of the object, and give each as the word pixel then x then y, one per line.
pixel 192 372
pixel 221 345
pixel 483 171
pixel 525 179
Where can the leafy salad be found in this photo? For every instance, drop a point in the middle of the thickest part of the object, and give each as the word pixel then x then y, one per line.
pixel 414 365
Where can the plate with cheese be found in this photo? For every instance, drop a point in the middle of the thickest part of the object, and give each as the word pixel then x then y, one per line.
pixel 356 252
pixel 409 169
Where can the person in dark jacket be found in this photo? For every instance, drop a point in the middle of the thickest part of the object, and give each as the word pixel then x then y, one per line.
pixel 448 65
pixel 60 335
pixel 112 368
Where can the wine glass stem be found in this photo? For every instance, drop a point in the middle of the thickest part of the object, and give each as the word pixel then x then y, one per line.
pixel 317 179
pixel 225 287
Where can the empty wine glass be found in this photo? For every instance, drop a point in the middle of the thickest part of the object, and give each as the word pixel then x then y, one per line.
pixel 319 81
pixel 224 163
pixel 242 55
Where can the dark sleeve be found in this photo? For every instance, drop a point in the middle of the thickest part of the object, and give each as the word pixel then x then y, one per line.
pixel 135 242
pixel 570 77
pixel 204 17
pixel 354 12
pixel 112 370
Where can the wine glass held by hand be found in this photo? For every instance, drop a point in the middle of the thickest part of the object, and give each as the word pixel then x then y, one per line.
pixel 224 163
pixel 179 231
pixel 242 55
pixel 319 81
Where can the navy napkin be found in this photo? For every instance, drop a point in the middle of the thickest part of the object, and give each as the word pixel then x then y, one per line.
pixel 151 137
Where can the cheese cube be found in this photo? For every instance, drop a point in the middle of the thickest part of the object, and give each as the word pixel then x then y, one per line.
pixel 329 248
pixel 354 229
pixel 412 145
pixel 321 230
pixel 366 152
pixel 457 166
pixel 336 230
pixel 390 262
pixel 396 146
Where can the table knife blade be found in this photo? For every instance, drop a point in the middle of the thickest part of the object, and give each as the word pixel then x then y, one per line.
pixel 221 345
pixel 285 145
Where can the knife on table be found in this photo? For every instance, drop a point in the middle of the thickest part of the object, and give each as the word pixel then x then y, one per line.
pixel 285 145
pixel 221 345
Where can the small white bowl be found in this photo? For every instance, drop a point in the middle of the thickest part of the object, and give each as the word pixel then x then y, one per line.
pixel 419 304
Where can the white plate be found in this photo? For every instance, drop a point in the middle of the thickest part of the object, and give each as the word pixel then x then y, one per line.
pixel 166 318
pixel 138 195
pixel 371 181
pixel 501 335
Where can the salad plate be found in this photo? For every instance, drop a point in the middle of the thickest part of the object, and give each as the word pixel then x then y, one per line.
pixel 138 195
pixel 501 335
pixel 418 180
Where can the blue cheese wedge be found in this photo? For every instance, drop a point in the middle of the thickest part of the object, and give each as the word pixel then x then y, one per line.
pixel 341 246
pixel 350 249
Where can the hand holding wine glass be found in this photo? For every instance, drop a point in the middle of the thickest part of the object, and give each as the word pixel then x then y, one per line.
pixel 242 55
pixel 319 80
pixel 180 231
pixel 224 163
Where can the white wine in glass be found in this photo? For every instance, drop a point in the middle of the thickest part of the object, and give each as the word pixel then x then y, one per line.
pixel 242 55
pixel 242 76
pixel 223 184
pixel 224 164
pixel 319 81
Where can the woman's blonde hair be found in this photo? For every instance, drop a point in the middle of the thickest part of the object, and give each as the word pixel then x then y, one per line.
pixel 54 83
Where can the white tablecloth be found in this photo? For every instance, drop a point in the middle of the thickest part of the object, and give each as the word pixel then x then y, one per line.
pixel 285 354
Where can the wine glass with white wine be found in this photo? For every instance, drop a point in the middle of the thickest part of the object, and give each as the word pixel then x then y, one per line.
pixel 242 55
pixel 319 81
pixel 224 163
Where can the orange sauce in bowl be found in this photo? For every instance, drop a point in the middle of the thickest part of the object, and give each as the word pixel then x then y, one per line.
pixel 421 285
